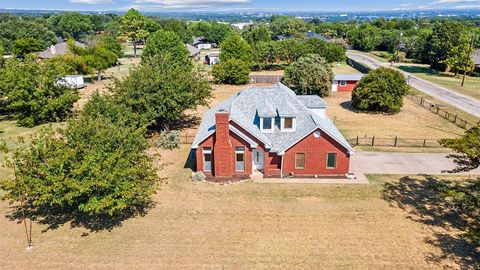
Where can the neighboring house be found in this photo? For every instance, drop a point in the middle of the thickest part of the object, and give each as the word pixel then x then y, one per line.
pixel 58 49
pixel 273 131
pixel 346 83
pixel 280 37
pixel 200 44
pixel 212 58
pixel 311 34
pixel 193 52
pixel 242 25
pixel 476 58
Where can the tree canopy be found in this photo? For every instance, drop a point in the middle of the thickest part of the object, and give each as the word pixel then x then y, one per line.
pixel 25 46
pixel 31 93
pixel 235 47
pixel 161 90
pixel 381 90
pixel 96 166
pixel 467 150
pixel 309 75
pixel 134 27
pixel 71 25
pixel 166 43
pixel 231 71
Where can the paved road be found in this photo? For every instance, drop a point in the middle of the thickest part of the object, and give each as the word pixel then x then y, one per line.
pixel 401 163
pixel 460 101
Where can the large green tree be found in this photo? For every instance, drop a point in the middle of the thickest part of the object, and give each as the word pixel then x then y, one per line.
pixel 231 72
pixel 163 43
pixel 257 33
pixel 467 150
pixel 365 38
pixel 288 26
pixel 25 46
pixel 309 75
pixel 111 44
pixel 97 57
pixel 71 25
pixel 458 59
pixel 266 53
pixel 446 35
pixel 31 93
pixel 162 89
pixel 332 52
pixel 134 27
pixel 291 50
pixel 235 47
pixel 382 90
pixel 213 32
pixel 96 166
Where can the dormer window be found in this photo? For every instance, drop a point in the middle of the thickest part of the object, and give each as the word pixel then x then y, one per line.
pixel 288 124
pixel 266 124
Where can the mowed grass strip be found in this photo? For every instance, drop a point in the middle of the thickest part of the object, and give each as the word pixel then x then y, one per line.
pixel 446 79
pixel 243 226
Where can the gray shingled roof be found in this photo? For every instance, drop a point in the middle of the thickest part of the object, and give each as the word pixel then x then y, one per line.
pixel 312 101
pixel 193 51
pixel 58 49
pixel 348 77
pixel 476 57
pixel 244 106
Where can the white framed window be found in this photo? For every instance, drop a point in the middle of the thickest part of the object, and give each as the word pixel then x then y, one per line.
pixel 300 161
pixel 207 159
pixel 267 124
pixel 331 160
pixel 288 124
pixel 239 159
pixel 343 83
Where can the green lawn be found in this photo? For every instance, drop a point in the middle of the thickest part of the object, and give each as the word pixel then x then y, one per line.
pixel 445 79
pixel 343 68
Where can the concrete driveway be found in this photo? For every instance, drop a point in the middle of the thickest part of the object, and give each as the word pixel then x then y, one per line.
pixel 460 101
pixel 401 163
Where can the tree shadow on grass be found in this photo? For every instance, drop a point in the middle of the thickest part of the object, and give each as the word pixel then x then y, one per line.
pixel 53 217
pixel 423 200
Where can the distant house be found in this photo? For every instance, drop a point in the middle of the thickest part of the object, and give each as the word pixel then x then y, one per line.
pixel 279 37
pixel 212 58
pixel 242 25
pixel 58 49
pixel 476 58
pixel 193 52
pixel 345 83
pixel 273 131
pixel 311 34
pixel 199 43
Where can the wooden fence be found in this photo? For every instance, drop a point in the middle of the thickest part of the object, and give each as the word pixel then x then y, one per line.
pixel 442 112
pixel 265 78
pixel 394 142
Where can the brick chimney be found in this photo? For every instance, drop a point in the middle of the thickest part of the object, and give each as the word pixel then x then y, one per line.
pixel 222 149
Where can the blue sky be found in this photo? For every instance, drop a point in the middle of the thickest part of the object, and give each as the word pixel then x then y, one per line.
pixel 219 5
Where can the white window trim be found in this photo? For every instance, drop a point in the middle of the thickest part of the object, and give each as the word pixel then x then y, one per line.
pixel 272 129
pixel 336 160
pixel 204 152
pixel 244 157
pixel 294 125
pixel 343 83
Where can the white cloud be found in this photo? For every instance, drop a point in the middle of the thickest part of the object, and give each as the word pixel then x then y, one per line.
pixel 454 1
pixel 183 4
pixel 93 2
pixel 468 7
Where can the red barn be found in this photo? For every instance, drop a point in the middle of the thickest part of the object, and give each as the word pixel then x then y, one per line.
pixel 345 83
pixel 273 131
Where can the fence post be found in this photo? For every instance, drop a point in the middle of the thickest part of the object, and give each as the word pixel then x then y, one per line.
pixel 395 144
pixel 424 143
pixel 455 121
pixel 421 101
pixel 357 141
pixel 373 141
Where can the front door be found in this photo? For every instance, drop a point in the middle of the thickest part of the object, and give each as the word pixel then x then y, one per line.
pixel 258 158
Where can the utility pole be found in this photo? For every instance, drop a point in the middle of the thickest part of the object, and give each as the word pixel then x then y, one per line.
pixel 466 61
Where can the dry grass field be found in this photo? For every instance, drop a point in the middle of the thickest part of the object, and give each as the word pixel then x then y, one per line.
pixel 413 122
pixel 253 226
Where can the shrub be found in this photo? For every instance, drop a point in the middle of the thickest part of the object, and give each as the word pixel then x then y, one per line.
pixel 169 139
pixel 231 72
pixel 310 75
pixel 198 177
pixel 382 90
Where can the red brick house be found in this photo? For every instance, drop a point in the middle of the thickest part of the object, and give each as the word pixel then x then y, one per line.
pixel 345 83
pixel 273 131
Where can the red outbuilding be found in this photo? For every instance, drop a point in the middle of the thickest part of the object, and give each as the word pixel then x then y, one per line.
pixel 345 83
pixel 273 131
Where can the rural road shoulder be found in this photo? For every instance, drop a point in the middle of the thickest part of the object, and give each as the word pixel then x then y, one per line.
pixel 455 99
pixel 402 163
